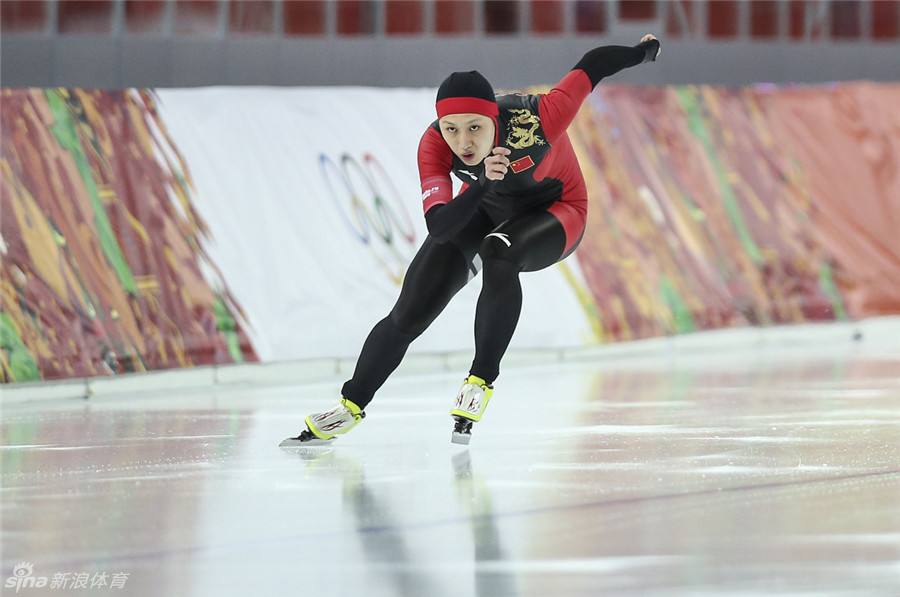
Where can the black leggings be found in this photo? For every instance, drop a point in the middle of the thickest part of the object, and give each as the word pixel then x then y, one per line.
pixel 525 243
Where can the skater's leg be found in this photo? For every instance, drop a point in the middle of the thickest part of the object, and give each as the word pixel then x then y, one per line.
pixel 526 243
pixel 436 274
pixel 496 314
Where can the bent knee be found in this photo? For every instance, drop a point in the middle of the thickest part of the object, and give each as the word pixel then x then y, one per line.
pixel 497 246
pixel 408 323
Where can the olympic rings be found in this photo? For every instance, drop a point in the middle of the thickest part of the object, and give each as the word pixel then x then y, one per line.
pixel 370 205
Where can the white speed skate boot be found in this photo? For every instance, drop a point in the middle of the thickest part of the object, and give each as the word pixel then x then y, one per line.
pixel 470 403
pixel 322 428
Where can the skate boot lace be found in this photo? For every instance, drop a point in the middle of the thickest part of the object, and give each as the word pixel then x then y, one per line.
pixel 470 397
pixel 336 418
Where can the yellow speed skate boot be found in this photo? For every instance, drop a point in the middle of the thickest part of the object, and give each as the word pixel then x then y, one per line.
pixel 470 404
pixel 322 428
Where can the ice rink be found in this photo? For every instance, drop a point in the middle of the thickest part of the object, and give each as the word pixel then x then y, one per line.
pixel 772 469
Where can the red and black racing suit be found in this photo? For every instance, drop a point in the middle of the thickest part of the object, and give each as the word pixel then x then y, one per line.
pixel 526 222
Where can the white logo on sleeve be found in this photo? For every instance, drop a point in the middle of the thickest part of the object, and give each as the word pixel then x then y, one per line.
pixel 470 175
pixel 501 236
pixel 429 192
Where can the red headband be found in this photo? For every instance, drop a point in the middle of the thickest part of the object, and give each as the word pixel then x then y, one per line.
pixel 467 105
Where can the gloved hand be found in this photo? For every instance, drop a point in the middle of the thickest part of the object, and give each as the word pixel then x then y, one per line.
pixel 651 37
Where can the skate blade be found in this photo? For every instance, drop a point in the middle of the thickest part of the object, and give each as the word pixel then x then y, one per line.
pixel 461 438
pixel 293 442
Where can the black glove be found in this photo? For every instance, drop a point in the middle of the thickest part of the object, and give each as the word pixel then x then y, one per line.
pixel 651 49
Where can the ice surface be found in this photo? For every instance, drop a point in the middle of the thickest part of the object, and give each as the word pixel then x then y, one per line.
pixel 745 473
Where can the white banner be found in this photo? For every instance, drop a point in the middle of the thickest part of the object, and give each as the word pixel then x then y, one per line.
pixel 312 197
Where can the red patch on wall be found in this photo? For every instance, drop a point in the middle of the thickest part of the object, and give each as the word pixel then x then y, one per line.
pixel 522 164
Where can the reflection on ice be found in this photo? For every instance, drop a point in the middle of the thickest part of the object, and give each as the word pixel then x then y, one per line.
pixel 750 475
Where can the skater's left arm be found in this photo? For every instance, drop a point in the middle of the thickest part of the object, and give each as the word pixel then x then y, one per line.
pixel 558 108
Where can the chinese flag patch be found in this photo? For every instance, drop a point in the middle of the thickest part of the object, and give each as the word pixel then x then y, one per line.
pixel 522 164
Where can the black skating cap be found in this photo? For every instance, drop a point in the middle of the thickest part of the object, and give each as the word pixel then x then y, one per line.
pixel 466 92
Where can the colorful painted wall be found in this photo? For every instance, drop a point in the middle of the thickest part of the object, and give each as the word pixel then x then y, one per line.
pixel 146 230
pixel 104 269
pixel 715 207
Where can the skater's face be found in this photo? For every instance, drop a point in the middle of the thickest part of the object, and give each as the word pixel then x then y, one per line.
pixel 470 136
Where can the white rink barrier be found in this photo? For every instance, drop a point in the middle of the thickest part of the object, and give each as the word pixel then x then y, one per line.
pixel 874 338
